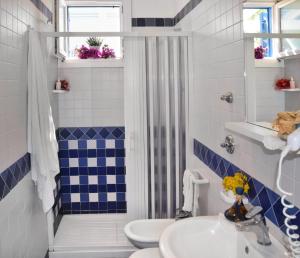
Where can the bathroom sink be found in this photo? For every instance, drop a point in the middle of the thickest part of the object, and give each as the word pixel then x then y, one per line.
pixel 213 237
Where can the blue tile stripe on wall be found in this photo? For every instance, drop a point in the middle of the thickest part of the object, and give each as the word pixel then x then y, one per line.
pixel 10 177
pixel 153 22
pixel 259 194
pixel 92 162
pixel 166 22
pixel 43 9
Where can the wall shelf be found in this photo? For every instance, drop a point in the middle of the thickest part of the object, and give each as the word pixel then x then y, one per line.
pixel 290 54
pixel 59 91
pixel 290 90
pixel 268 137
pixel 252 131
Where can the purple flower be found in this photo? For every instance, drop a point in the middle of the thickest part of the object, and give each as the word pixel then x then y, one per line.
pixel 107 52
pixel 83 52
pixel 259 52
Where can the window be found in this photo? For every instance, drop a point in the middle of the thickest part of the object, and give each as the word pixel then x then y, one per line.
pixel 290 23
pixel 259 20
pixel 106 18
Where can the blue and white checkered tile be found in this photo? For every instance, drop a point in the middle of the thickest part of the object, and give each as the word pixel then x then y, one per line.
pixel 92 171
pixel 10 177
pixel 89 133
pixel 259 194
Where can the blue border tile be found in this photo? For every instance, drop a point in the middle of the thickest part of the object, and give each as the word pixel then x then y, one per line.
pixel 90 133
pixel 166 22
pixel 11 176
pixel 43 9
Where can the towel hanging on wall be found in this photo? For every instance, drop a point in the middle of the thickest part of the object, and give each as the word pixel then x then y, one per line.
pixel 190 192
pixel 42 144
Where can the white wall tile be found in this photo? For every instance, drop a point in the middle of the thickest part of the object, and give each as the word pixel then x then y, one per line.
pixel 110 162
pixel 218 61
pixel 20 209
pixel 74 180
pixel 111 179
pixel 292 70
pixel 73 162
pixel 111 197
pixel 73 144
pixel 91 144
pixel 21 212
pixel 95 99
pixel 93 197
pixel 110 144
pixel 92 162
pixel 93 180
pixel 75 197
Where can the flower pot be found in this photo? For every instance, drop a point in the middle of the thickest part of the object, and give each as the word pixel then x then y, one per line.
pixel 95 47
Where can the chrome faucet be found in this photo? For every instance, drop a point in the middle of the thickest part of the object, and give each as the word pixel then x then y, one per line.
pixel 256 223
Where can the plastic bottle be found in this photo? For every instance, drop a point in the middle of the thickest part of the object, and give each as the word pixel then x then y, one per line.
pixel 58 85
pixel 292 83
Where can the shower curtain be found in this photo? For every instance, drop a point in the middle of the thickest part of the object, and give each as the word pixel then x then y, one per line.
pixel 158 66
pixel 42 144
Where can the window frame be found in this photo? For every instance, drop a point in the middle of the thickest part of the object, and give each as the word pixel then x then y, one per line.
pixel 278 7
pixel 270 12
pixel 106 4
pixel 126 16
pixel 60 43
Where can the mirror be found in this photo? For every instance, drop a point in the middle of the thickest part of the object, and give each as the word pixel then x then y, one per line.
pixel 272 65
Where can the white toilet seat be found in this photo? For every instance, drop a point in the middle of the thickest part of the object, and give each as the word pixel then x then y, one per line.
pixel 147 253
pixel 146 233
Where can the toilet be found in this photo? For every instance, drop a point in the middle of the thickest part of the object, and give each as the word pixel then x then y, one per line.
pixel 146 233
pixel 147 253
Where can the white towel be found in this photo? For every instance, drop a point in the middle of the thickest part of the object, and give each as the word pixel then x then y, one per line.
pixel 190 193
pixel 42 144
pixel 196 207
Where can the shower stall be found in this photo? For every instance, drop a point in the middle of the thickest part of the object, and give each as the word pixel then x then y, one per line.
pixel 115 173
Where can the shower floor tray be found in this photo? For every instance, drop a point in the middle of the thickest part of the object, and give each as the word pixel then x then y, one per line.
pixel 91 235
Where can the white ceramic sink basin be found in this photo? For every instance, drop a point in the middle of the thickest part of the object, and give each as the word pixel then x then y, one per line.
pixel 213 237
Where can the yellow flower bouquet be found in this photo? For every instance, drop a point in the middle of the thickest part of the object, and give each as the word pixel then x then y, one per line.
pixel 238 183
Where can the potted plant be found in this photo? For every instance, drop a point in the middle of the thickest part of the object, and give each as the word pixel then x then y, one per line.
pixel 94 42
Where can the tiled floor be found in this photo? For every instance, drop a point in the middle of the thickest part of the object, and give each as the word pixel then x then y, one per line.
pixel 92 232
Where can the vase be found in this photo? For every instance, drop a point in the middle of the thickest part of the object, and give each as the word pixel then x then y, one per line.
pixel 95 47
pixel 237 212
